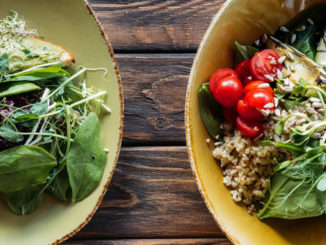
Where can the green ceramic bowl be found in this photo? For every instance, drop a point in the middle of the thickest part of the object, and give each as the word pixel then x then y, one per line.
pixel 70 24
pixel 243 21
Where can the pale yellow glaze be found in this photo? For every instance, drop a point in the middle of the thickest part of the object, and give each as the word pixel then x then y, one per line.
pixel 243 21
pixel 69 24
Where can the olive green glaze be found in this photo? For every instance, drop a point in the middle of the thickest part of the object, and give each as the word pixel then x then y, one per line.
pixel 69 24
pixel 243 21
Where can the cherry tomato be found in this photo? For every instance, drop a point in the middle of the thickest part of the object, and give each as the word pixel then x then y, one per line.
pixel 228 91
pixel 255 84
pixel 230 114
pixel 259 98
pixel 265 63
pixel 248 112
pixel 243 71
pixel 248 80
pixel 249 129
pixel 219 75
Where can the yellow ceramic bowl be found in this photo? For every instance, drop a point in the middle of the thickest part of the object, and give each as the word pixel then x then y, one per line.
pixel 243 21
pixel 71 24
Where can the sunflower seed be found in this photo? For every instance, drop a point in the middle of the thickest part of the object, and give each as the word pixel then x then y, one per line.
pixel 301 28
pixel 281 59
pixel 264 38
pixel 289 55
pixel 310 21
pixel 317 105
pixel 293 38
pixel 269 77
pixel 265 112
pixel 269 106
pixel 321 110
pixel 277 112
pixel 292 68
pixel 257 42
pixel 314 99
pixel 279 74
pixel 276 138
pixel 218 143
pixel 284 29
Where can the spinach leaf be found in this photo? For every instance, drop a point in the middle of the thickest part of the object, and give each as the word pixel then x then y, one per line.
pixel 210 112
pixel 10 134
pixel 24 201
pixel 17 88
pixel 24 118
pixel 30 165
pixel 291 198
pixel 39 74
pixel 39 108
pixel 86 159
pixel 60 187
pixel 298 191
pixel 243 52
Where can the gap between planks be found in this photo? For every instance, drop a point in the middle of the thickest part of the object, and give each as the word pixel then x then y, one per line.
pixel 187 241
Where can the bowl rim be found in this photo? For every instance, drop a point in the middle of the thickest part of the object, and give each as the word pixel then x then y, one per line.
pixel 188 127
pixel 115 161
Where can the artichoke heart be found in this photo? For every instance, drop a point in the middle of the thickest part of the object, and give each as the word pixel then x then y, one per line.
pixel 298 66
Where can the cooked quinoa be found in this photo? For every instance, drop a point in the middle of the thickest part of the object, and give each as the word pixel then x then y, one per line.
pixel 247 166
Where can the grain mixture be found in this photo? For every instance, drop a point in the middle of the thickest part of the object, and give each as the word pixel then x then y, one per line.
pixel 247 166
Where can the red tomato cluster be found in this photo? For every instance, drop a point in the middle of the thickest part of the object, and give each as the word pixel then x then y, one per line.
pixel 245 93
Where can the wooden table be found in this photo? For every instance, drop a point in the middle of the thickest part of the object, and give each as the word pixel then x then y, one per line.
pixel 153 197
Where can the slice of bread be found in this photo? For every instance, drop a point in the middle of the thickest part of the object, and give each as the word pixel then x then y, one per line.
pixel 37 52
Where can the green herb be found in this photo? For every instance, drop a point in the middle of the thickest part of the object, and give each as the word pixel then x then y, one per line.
pixel 86 159
pixel 210 111
pixel 17 88
pixel 243 52
pixel 24 201
pixel 11 134
pixel 30 165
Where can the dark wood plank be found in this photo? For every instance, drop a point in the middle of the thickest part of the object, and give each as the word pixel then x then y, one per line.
pixel 202 241
pixel 152 195
pixel 147 25
pixel 154 90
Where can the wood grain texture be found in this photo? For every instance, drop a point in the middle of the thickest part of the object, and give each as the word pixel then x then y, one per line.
pixel 189 241
pixel 153 194
pixel 154 89
pixel 152 25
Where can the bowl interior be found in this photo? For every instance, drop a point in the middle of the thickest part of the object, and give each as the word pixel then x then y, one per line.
pixel 243 21
pixel 71 25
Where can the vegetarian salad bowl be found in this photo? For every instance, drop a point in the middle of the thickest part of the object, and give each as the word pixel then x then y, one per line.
pixel 61 119
pixel 255 121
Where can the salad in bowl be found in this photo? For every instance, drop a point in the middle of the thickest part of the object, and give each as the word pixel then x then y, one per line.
pixel 267 118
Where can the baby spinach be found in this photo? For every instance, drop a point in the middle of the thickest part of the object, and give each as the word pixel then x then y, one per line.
pixel 24 166
pixel 17 88
pixel 210 112
pixel 243 52
pixel 24 201
pixel 291 198
pixel 60 187
pixel 9 133
pixel 86 159
pixel 298 189
pixel 55 71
